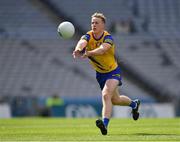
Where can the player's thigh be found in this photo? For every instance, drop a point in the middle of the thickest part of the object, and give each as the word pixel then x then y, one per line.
pixel 110 86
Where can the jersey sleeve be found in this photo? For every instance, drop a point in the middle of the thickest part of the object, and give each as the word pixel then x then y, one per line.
pixel 108 39
pixel 86 37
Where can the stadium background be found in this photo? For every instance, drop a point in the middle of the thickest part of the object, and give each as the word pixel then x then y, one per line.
pixel 35 63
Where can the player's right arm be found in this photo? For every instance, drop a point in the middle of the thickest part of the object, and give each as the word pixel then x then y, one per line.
pixel 82 43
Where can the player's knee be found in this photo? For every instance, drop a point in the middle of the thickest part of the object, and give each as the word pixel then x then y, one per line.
pixel 106 96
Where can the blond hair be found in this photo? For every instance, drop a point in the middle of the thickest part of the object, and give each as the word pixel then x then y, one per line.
pixel 99 15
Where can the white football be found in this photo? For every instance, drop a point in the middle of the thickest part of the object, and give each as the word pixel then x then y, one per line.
pixel 66 30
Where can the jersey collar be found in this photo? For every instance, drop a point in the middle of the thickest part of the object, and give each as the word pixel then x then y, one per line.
pixel 99 37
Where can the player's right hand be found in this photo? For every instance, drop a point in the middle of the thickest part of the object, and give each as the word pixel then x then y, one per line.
pixel 76 54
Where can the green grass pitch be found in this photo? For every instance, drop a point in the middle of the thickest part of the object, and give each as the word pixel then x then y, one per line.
pixel 69 129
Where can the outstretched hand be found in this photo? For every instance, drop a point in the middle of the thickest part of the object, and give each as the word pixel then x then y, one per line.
pixel 80 54
pixel 76 54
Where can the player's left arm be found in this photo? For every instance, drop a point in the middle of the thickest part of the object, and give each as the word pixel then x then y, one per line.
pixel 104 47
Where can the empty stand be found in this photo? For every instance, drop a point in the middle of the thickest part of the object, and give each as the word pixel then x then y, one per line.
pixel 35 61
pixel 81 11
pixel 155 62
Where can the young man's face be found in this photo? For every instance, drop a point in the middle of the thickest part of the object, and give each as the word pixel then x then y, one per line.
pixel 97 25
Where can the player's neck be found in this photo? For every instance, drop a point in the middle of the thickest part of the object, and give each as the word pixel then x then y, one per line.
pixel 98 35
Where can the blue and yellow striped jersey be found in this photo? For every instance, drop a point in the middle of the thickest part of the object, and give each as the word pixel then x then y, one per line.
pixel 101 63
